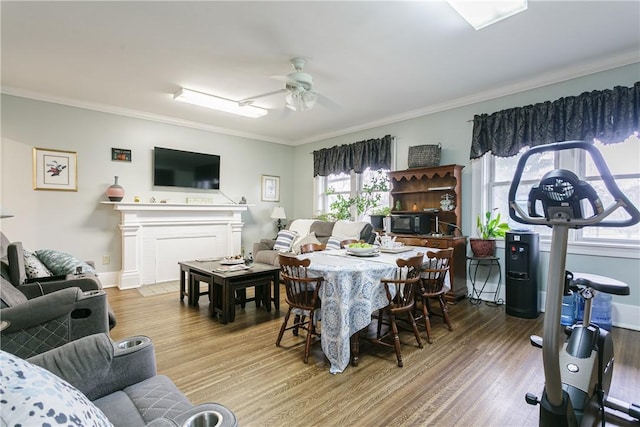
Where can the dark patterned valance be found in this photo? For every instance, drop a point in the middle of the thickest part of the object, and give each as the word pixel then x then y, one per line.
pixel 609 115
pixel 372 153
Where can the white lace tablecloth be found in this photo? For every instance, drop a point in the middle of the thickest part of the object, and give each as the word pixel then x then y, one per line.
pixel 351 292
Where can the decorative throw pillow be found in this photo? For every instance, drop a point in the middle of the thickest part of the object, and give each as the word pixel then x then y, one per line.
pixel 334 242
pixel 284 240
pixel 33 396
pixel 33 267
pixel 309 238
pixel 62 263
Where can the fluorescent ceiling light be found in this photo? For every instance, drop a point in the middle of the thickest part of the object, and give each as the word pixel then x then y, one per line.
pixel 482 13
pixel 220 104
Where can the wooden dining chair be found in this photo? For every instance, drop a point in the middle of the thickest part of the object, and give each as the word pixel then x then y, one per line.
pixel 400 292
pixel 302 294
pixel 312 247
pixel 346 242
pixel 431 286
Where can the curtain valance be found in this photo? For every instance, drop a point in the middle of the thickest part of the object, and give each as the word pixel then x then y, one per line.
pixel 372 153
pixel 609 115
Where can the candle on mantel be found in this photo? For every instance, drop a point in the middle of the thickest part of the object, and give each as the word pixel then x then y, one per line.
pixel 415 207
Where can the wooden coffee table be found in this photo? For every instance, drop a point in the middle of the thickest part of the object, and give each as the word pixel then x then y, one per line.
pixel 223 285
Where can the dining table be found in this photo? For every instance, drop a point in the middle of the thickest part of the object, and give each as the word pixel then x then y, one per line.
pixel 350 293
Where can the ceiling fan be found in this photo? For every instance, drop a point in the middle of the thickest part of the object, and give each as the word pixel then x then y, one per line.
pixel 300 95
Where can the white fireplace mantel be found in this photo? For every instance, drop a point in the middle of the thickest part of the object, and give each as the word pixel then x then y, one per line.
pixel 155 236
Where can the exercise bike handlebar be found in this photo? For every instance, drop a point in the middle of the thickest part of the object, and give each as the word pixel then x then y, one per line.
pixel 621 201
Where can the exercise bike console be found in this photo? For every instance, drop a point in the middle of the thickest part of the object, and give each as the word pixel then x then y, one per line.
pixel 578 375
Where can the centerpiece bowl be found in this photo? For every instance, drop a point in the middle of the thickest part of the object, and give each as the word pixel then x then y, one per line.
pixel 362 248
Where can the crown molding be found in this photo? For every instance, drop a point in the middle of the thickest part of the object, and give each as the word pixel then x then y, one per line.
pixel 136 114
pixel 552 77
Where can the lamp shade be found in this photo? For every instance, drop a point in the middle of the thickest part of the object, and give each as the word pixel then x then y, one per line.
pixel 278 213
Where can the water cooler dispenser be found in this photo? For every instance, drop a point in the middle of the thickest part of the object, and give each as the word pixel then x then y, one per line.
pixel 521 267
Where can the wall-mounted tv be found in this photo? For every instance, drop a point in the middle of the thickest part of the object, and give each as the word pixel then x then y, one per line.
pixel 177 168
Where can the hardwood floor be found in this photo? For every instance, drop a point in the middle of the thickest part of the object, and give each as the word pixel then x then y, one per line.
pixel 475 375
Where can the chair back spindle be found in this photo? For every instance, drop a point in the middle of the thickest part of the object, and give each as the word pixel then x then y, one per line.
pixel 434 274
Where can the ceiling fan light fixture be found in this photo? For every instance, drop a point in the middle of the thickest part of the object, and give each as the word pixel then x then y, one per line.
pixel 220 104
pixel 483 13
pixel 310 98
pixel 301 100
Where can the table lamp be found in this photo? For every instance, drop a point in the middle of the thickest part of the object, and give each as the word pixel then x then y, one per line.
pixel 278 213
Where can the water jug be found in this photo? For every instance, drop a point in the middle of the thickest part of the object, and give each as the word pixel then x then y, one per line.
pixel 567 316
pixel 568 313
pixel 600 310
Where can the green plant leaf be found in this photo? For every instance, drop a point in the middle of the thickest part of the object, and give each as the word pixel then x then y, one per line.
pixel 491 227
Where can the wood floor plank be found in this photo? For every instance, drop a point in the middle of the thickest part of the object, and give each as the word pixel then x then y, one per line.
pixel 476 374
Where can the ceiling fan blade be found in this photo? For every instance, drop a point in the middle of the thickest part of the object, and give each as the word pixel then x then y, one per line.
pixel 286 112
pixel 285 79
pixel 328 103
pixel 250 99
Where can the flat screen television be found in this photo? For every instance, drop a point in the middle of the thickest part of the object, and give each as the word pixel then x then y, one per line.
pixel 177 168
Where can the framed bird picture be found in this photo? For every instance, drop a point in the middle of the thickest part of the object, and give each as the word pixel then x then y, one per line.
pixel 55 170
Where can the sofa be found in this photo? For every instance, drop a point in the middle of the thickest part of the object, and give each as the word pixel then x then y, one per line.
pixel 96 381
pixel 24 270
pixel 302 231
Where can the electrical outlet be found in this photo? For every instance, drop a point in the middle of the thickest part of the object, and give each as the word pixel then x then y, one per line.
pixel 106 259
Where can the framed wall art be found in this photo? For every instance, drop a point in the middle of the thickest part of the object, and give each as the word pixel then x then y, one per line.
pixel 55 170
pixel 270 188
pixel 120 155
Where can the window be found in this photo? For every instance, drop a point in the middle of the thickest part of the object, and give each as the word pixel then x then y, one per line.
pixel 623 160
pixel 347 186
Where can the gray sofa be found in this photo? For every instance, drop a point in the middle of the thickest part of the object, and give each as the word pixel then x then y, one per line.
pixel 263 251
pixel 117 378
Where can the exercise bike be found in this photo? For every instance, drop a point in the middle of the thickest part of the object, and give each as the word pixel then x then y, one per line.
pixel 577 372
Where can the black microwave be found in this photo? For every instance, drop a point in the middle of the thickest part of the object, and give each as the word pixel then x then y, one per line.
pixel 418 223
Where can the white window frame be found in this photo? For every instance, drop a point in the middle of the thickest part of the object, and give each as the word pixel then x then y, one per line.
pixel 482 196
pixel 322 183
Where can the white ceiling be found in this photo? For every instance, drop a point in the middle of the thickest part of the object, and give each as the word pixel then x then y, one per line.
pixel 377 62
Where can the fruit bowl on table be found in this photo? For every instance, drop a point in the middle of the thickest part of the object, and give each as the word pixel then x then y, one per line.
pixel 362 249
pixel 229 260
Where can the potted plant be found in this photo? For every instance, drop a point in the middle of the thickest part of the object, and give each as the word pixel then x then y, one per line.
pixel 377 215
pixel 489 228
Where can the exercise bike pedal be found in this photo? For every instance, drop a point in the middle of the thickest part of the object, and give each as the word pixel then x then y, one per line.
pixel 532 399
pixel 631 409
pixel 536 341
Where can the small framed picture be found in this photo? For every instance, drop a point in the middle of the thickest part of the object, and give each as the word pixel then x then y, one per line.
pixel 55 170
pixel 120 155
pixel 270 188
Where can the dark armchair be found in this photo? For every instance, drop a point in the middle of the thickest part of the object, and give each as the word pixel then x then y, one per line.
pixel 33 326
pixel 13 270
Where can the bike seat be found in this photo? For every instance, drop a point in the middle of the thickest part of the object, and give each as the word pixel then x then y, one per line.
pixel 600 283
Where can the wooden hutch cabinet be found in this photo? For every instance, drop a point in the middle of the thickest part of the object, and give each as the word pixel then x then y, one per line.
pixel 427 191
